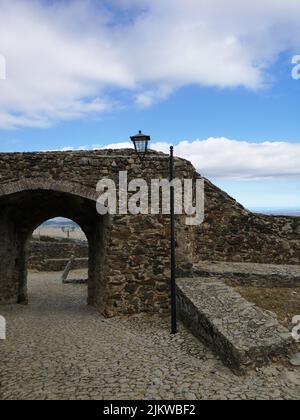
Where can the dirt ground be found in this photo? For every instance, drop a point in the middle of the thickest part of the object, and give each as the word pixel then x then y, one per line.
pixel 284 302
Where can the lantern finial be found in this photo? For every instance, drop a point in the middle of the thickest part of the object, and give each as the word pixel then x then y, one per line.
pixel 140 142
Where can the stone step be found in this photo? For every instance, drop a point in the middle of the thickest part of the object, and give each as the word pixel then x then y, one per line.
pixel 241 334
pixel 246 274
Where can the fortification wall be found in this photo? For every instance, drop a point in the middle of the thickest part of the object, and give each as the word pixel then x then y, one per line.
pixel 232 233
pixel 129 265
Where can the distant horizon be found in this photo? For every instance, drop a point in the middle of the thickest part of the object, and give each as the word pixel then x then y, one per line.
pixel 277 211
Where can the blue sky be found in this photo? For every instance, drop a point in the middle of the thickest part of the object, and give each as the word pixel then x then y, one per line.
pixel 226 83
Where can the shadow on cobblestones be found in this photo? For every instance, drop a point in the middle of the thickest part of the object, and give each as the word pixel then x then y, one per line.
pixel 59 348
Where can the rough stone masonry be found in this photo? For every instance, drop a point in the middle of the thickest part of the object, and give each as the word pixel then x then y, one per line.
pixel 129 264
pixel 241 334
pixel 55 254
pixel 128 254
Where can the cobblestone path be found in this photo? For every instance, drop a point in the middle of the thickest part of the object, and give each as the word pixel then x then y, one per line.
pixel 58 348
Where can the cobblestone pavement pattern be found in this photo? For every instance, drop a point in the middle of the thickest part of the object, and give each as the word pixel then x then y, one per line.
pixel 58 348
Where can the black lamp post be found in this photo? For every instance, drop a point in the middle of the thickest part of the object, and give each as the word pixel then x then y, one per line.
pixel 141 142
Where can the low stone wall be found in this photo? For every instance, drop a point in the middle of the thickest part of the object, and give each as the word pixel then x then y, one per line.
pixel 241 334
pixel 76 281
pixel 54 256
pixel 246 274
pixel 57 264
pixel 58 249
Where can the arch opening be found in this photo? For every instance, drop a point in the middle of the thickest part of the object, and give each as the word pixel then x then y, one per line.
pixel 58 254
pixel 21 213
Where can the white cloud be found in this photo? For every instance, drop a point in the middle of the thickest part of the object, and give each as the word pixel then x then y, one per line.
pixel 223 158
pixel 64 58
pixel 115 146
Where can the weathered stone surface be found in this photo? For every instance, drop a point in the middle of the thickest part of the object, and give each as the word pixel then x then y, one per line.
pixel 55 264
pixel 246 274
pixel 58 348
pixel 240 333
pixel 55 249
pixel 127 249
pixel 128 254
pixel 232 233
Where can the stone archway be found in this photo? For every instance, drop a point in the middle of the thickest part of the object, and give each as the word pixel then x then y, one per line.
pixel 130 254
pixel 23 207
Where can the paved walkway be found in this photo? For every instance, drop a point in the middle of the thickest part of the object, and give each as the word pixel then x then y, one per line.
pixel 58 348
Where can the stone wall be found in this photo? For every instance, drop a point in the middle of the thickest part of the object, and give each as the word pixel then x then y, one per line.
pixel 36 264
pixel 129 264
pixel 54 255
pixel 232 233
pixel 58 249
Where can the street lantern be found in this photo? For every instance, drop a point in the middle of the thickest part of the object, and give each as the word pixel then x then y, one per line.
pixel 140 142
pixel 141 147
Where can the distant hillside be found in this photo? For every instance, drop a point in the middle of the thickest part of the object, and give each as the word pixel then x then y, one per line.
pixel 277 211
pixel 59 222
